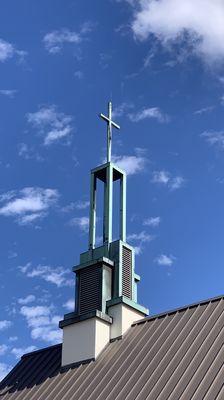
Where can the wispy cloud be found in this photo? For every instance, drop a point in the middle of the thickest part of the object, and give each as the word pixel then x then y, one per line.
pixel 13 338
pixel 123 109
pixel 8 51
pixel 43 323
pixel 53 125
pixel 18 352
pixel 69 305
pixel 28 205
pixel 204 110
pixel 152 221
pixel 28 152
pixel 59 276
pixel 4 370
pixel 166 179
pixel 54 41
pixel 165 260
pixel 149 113
pixel 139 239
pixel 26 300
pixel 3 349
pixel 8 93
pixel 78 74
pixel 215 138
pixel 5 324
pixel 81 222
pixel 78 205
pixel 196 26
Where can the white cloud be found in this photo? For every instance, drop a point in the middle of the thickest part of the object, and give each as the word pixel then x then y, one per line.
pixel 3 349
pixel 28 204
pixel 8 93
pixel 81 205
pixel 149 113
pixel 130 164
pixel 152 221
pixel 28 152
pixel 196 25
pixel 43 324
pixel 51 124
pixel 18 352
pixel 47 334
pixel 161 177
pixel 55 40
pixel 26 300
pixel 81 222
pixel 6 50
pixel 4 370
pixel 140 239
pixel 69 305
pixel 78 74
pixel 165 178
pixel 122 109
pixel 215 138
pixel 13 338
pixel 4 324
pixel 204 110
pixel 165 260
pixel 56 275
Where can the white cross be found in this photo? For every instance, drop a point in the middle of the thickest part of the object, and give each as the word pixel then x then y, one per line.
pixel 110 123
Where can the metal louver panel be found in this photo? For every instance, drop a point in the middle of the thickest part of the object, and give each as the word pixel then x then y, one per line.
pixel 126 272
pixel 90 290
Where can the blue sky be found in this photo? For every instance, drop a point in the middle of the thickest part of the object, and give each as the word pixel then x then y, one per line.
pixel 60 63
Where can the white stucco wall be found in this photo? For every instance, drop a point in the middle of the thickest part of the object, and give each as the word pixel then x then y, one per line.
pixel 123 316
pixel 84 340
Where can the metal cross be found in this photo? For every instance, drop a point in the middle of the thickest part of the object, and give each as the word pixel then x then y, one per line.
pixel 110 123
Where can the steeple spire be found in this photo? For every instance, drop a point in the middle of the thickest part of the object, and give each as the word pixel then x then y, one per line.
pixel 106 282
pixel 110 124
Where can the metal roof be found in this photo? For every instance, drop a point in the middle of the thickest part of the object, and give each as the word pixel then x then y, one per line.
pixel 173 356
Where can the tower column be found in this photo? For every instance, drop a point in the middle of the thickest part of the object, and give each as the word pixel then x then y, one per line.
pixel 92 218
pixel 123 208
pixel 108 205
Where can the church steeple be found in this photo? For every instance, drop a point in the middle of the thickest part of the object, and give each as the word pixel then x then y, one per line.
pixel 106 282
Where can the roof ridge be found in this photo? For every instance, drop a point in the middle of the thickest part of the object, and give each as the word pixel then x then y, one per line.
pixel 172 311
pixel 41 350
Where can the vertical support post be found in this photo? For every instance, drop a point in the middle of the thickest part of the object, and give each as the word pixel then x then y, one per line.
pixel 108 205
pixel 123 208
pixel 109 132
pixel 92 218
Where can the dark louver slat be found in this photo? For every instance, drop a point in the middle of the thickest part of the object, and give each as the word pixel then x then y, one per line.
pixel 90 289
pixel 126 272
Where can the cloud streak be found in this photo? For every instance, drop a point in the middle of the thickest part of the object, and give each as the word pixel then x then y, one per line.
pixel 55 41
pixel 166 179
pixel 28 205
pixel 51 124
pixel 55 275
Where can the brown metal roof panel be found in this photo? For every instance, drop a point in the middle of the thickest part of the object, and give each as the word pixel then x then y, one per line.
pixel 129 358
pixel 210 378
pixel 151 369
pixel 216 386
pixel 103 375
pixel 199 368
pixel 184 355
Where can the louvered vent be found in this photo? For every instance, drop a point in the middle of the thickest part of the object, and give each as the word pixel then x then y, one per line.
pixel 126 272
pixel 90 290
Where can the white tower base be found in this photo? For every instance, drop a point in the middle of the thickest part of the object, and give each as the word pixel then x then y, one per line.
pixel 84 340
pixel 123 317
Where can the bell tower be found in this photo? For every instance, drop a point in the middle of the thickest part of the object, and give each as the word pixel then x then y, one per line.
pixel 106 282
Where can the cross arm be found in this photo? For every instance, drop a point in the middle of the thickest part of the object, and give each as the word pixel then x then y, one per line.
pixel 109 121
